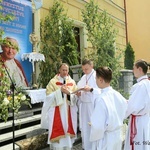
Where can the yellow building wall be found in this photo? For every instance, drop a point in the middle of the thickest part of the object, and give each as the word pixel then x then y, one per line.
pixel 114 8
pixel 138 27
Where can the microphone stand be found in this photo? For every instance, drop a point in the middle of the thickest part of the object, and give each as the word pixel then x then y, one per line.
pixel 12 87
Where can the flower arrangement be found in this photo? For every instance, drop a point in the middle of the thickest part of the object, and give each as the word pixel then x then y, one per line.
pixel 10 100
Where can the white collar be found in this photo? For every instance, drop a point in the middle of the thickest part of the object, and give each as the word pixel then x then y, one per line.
pixel 141 78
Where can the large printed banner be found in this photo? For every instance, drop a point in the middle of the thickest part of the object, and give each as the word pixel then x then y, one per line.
pixel 20 29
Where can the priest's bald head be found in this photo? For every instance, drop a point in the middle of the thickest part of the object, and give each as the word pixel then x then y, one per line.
pixel 64 70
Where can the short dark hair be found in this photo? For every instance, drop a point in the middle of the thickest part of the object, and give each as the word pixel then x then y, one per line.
pixel 143 64
pixel 87 61
pixel 105 73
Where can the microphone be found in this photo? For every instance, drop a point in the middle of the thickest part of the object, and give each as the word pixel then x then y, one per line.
pixel 68 96
pixel 64 80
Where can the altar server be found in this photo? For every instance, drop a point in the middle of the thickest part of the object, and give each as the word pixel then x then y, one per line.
pixel 138 135
pixel 108 115
pixel 86 100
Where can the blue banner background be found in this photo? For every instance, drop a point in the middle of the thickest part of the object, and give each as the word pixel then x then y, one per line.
pixel 20 29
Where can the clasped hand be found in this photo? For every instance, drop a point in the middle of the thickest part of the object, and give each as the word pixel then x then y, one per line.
pixel 65 89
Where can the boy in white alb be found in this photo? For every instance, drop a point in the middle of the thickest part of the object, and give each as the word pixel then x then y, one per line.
pixel 86 100
pixel 138 135
pixel 108 115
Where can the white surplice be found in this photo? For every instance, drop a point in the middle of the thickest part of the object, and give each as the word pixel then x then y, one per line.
pixel 107 120
pixel 139 105
pixel 86 103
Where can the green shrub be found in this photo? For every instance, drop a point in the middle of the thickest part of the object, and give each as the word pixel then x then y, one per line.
pixel 129 57
pixel 58 43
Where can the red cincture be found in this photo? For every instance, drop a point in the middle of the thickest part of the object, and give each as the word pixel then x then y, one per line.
pixel 133 130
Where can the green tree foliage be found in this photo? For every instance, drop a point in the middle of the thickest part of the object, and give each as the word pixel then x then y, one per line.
pixel 129 57
pixel 4 18
pixel 102 35
pixel 58 42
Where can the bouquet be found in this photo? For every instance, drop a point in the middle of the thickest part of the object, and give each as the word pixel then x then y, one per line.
pixel 10 99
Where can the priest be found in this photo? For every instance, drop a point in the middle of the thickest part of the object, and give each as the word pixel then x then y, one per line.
pixel 59 112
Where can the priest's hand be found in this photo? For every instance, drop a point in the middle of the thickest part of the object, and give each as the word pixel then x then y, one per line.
pixel 65 90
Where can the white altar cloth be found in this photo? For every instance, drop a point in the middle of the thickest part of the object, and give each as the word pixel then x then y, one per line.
pixel 37 96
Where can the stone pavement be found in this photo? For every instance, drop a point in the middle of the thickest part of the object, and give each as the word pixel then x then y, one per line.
pixel 78 143
pixel 77 146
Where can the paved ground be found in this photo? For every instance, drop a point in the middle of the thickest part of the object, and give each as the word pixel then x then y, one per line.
pixel 77 146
